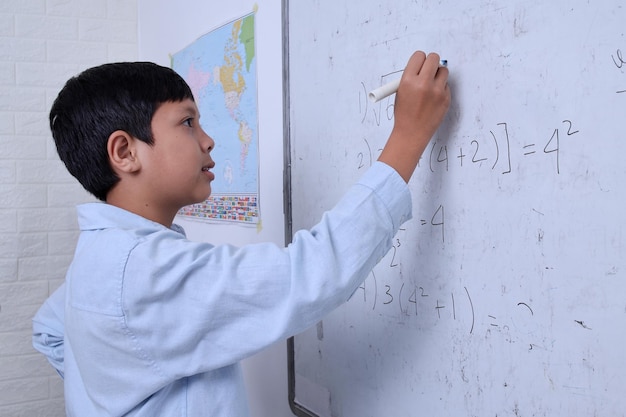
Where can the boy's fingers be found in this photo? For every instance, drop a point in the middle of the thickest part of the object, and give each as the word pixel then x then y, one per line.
pixel 426 66
pixel 441 76
pixel 415 63
pixel 430 66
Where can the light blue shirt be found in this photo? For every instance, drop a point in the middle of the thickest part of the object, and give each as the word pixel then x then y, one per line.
pixel 155 325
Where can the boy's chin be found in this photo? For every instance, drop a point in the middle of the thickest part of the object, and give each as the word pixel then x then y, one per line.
pixel 202 199
pixel 195 199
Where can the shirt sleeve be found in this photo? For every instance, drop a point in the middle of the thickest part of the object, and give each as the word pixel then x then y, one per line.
pixel 199 307
pixel 48 329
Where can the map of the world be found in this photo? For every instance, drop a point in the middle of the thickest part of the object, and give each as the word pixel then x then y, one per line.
pixel 220 68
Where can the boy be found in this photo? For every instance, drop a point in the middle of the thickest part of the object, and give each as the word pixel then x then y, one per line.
pixel 151 324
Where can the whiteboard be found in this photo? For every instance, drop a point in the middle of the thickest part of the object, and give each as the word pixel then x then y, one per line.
pixel 505 295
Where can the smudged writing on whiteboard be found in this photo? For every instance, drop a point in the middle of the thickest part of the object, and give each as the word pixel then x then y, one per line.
pixel 619 61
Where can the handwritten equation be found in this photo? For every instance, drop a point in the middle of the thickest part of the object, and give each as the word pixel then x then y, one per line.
pixel 493 150
pixel 410 299
pixel 418 302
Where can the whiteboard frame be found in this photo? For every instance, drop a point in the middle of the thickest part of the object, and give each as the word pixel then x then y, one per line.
pixel 296 408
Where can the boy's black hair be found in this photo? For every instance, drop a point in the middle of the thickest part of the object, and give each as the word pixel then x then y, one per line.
pixel 99 101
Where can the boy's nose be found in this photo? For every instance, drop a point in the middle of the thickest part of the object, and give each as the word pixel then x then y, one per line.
pixel 208 143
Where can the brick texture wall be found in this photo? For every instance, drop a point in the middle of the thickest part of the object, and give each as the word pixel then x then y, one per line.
pixel 42 44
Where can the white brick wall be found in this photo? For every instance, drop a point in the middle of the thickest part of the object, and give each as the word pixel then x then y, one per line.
pixel 42 44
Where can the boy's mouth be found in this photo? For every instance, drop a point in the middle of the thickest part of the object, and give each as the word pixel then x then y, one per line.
pixel 207 170
pixel 208 167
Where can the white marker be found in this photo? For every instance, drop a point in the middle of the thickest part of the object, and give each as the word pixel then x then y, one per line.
pixel 392 86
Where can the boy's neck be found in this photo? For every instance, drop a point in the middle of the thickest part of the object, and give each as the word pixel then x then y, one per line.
pixel 136 203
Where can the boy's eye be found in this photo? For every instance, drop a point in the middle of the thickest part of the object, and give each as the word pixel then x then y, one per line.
pixel 188 122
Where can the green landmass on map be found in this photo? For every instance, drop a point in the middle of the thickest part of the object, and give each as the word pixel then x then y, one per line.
pixel 246 37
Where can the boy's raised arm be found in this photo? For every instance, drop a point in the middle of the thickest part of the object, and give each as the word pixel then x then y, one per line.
pixel 421 103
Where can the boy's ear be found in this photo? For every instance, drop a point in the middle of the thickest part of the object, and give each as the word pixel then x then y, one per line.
pixel 122 150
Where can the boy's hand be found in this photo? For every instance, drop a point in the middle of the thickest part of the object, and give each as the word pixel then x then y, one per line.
pixel 420 105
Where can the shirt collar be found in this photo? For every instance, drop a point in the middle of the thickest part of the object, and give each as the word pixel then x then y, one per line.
pixel 94 216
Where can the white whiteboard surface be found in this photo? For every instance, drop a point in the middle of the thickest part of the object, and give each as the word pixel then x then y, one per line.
pixel 506 293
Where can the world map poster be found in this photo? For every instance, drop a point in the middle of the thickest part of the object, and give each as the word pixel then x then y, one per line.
pixel 220 68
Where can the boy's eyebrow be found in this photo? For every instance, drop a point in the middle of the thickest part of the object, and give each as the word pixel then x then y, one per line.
pixel 189 108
